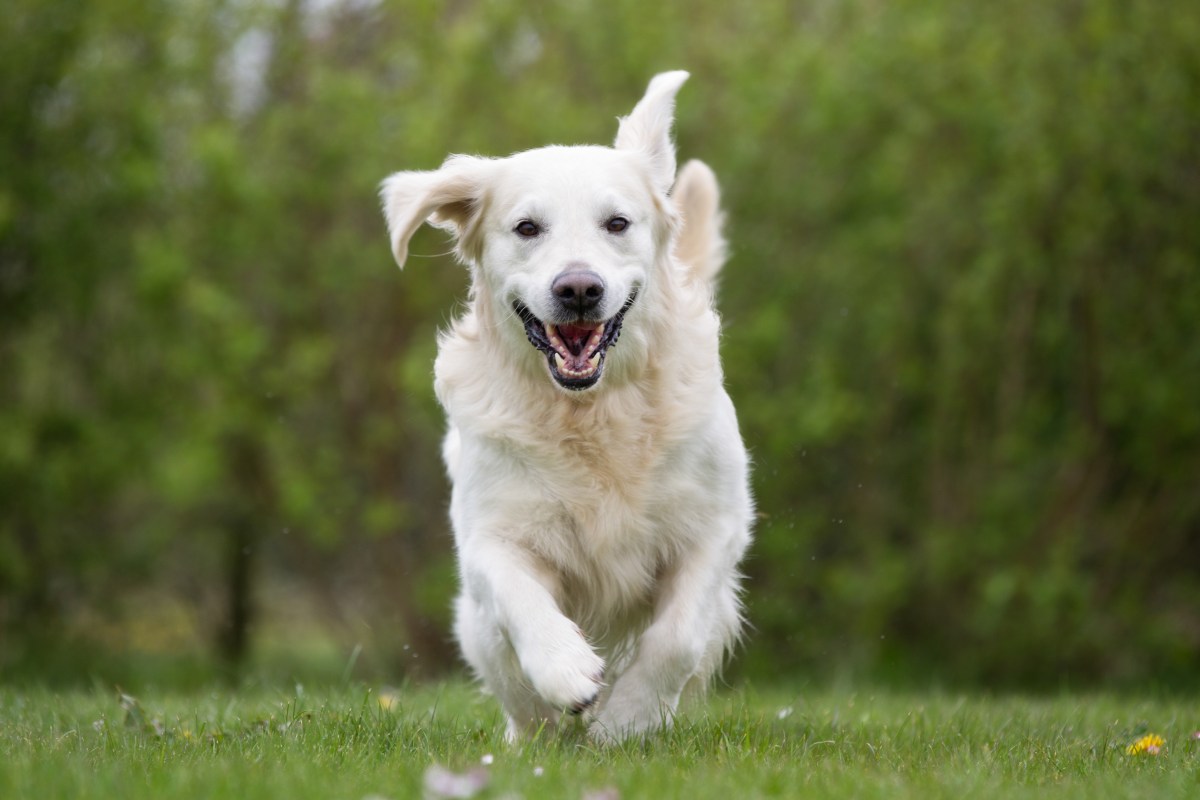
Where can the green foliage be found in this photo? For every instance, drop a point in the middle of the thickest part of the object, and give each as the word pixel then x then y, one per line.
pixel 990 445
pixel 969 385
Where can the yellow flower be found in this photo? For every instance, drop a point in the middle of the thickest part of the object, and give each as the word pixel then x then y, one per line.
pixel 1151 744
pixel 389 699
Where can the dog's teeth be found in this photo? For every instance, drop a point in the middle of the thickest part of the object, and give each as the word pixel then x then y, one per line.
pixel 594 341
pixel 558 362
pixel 594 361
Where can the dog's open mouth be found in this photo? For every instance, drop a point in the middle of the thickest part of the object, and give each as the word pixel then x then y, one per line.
pixel 574 351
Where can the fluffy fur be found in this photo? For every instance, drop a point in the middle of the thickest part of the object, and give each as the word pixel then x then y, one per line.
pixel 600 506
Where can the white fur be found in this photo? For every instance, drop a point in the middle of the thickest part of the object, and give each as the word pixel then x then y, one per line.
pixel 598 531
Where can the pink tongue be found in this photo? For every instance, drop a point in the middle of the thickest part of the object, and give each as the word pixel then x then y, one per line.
pixel 574 332
pixel 574 336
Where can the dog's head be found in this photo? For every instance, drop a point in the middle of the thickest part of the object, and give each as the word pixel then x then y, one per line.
pixel 562 241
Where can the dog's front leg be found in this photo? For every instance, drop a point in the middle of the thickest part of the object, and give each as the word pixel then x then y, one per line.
pixel 697 617
pixel 515 593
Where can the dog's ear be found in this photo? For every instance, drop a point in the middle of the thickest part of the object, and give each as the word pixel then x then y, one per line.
pixel 449 198
pixel 648 127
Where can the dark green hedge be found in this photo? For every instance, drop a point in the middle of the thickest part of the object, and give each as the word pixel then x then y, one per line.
pixel 961 312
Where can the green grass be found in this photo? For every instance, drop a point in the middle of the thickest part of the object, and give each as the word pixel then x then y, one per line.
pixel 291 743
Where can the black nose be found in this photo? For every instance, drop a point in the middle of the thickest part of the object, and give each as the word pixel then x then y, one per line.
pixel 578 291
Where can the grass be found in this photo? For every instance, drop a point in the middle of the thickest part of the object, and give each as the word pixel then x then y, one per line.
pixel 263 742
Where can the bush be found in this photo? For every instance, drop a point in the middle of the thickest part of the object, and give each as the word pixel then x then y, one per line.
pixel 959 314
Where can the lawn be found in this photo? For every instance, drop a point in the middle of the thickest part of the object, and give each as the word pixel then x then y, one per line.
pixel 359 742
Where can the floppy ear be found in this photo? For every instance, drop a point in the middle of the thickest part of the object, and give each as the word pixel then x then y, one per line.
pixel 449 198
pixel 648 127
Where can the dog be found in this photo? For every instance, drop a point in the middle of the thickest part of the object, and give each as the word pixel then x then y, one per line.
pixel 600 500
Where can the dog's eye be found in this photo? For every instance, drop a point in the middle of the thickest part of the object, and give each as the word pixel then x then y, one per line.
pixel 527 229
pixel 616 225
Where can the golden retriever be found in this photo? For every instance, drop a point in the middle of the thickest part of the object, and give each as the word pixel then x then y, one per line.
pixel 600 497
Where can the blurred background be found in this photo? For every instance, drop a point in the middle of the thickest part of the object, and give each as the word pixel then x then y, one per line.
pixel 961 325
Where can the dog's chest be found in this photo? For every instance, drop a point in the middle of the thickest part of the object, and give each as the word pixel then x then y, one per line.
pixel 613 532
pixel 608 550
pixel 599 490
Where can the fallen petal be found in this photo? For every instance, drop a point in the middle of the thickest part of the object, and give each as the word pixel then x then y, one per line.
pixel 607 793
pixel 441 782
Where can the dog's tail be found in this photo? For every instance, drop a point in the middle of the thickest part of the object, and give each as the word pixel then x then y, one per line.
pixel 700 245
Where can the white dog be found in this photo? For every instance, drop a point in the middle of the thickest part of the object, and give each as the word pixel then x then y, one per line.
pixel 600 502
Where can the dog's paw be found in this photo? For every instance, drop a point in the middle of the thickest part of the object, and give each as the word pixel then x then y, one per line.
pixel 583 705
pixel 569 678
pixel 604 735
pixel 607 729
pixel 625 717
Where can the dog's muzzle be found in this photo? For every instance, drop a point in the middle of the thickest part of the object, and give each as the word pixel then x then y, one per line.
pixel 574 351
